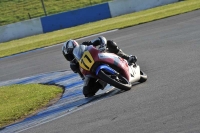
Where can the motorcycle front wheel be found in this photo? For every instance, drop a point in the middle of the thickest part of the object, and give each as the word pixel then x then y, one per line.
pixel 117 81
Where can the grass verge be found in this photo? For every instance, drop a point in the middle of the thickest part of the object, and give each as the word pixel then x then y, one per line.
pixel 42 40
pixel 20 101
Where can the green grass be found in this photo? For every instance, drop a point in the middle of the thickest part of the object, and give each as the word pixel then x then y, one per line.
pixel 18 10
pixel 132 19
pixel 20 101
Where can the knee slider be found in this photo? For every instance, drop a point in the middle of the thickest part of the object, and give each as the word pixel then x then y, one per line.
pixel 74 67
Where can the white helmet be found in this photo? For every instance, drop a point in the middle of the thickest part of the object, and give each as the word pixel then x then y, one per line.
pixel 68 48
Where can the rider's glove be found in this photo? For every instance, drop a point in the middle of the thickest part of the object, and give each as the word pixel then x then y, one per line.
pixel 102 47
pixel 86 43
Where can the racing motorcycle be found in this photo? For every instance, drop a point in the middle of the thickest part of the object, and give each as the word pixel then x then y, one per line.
pixel 108 67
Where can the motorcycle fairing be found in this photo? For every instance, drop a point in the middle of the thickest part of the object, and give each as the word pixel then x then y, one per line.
pixel 93 55
pixel 110 58
pixel 106 68
pixel 105 56
pixel 86 62
pixel 84 57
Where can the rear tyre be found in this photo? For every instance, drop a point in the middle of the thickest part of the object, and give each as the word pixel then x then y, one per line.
pixel 117 81
pixel 143 77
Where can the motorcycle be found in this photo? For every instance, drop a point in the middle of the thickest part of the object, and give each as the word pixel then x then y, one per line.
pixel 108 67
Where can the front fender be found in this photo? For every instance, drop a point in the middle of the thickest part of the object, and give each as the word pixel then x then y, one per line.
pixel 106 68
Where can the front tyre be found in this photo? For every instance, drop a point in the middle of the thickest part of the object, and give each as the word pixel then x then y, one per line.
pixel 117 81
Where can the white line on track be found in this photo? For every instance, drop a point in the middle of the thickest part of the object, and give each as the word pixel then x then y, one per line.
pixel 56 45
pixel 68 112
pixel 85 37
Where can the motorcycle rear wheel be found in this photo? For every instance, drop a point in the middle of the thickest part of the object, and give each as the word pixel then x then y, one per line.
pixel 122 83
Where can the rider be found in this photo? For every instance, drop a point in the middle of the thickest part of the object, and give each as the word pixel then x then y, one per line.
pixel 92 85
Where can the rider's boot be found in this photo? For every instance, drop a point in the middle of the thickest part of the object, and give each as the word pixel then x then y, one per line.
pixel 129 58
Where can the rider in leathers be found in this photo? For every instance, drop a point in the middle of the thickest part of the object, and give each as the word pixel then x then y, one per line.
pixel 92 85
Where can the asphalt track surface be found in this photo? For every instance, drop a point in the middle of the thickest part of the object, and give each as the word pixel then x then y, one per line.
pixel 167 50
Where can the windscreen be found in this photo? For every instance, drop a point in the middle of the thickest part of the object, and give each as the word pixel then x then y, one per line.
pixel 78 51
